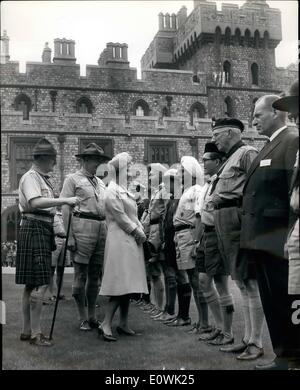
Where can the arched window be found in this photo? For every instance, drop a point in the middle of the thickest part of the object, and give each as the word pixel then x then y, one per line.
pixel 227 36
pixel 266 40
pixel 229 111
pixel 256 39
pixel 196 79
pixel 218 34
pixel 196 111
pixel 140 108
pixel 254 74
pixel 23 103
pixel 84 106
pixel 247 37
pixel 10 221
pixel 238 37
pixel 227 72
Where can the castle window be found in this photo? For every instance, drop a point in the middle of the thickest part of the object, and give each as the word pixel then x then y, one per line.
pixel 238 37
pixel 254 74
pixel 196 79
pixel 196 111
pixel 164 152
pixel 227 72
pixel 140 108
pixel 20 156
pixel 61 48
pixel 229 107
pixel 247 37
pixel 227 36
pixel 84 106
pixel 10 221
pixel 218 34
pixel 256 39
pixel 23 103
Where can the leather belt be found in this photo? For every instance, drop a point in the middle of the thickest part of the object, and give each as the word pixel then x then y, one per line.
pixel 229 203
pixel 39 217
pixel 209 229
pixel 88 216
pixel 183 227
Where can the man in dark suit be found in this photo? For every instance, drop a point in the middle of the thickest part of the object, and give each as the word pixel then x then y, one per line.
pixel 265 223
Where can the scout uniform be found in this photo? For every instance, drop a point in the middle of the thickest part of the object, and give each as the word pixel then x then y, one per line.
pixel 89 231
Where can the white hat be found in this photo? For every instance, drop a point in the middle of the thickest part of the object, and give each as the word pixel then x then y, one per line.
pixel 172 172
pixel 120 161
pixel 191 165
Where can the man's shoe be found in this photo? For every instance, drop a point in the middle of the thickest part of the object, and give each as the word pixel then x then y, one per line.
pixel 94 323
pixel 128 332
pixel 252 352
pixel 25 337
pixel 221 340
pixel 214 334
pixel 276 364
pixel 170 319
pixel 40 341
pixel 85 326
pixel 160 317
pixel 237 348
pixel 159 314
pixel 180 322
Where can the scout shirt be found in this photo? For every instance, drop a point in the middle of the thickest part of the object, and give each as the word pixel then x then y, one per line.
pixel 185 213
pixel 231 178
pixel 35 184
pixel 204 205
pixel 89 189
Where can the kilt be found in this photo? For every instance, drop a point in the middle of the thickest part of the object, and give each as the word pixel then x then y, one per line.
pixel 33 262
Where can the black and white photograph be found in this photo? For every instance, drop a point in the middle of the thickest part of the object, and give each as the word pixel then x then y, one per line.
pixel 150 188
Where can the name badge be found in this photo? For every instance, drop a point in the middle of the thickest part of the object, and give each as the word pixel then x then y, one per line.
pixel 265 163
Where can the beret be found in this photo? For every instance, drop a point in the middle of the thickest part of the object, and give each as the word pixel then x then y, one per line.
pixel 228 122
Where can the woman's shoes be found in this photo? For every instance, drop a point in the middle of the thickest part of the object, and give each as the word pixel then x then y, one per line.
pixel 126 332
pixel 105 336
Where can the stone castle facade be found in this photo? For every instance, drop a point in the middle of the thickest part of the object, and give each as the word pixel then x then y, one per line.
pixel 209 63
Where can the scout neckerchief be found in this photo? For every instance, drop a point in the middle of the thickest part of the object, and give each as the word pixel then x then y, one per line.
pixel 229 154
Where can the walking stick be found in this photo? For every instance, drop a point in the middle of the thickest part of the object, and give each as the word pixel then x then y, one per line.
pixel 62 276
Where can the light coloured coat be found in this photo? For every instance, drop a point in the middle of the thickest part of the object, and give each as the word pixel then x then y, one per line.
pixel 124 266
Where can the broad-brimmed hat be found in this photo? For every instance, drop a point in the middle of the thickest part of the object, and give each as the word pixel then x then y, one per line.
pixel 157 167
pixel 289 103
pixel 94 150
pixel 44 148
pixel 228 122
pixel 120 161
pixel 212 152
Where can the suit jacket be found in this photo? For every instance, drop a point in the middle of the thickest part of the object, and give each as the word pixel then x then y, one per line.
pixel 266 213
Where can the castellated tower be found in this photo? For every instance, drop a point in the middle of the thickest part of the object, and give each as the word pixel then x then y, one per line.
pixel 234 48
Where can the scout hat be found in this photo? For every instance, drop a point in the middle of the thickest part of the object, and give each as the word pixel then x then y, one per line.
pixel 93 149
pixel 44 148
pixel 227 122
pixel 211 152
pixel 172 172
pixel 289 103
pixel 191 165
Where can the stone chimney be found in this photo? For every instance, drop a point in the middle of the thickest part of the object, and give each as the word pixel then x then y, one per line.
pixel 182 16
pixel 4 48
pixel 115 55
pixel 46 56
pixel 64 51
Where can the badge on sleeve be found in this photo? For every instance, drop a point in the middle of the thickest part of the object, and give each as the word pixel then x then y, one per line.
pixel 265 163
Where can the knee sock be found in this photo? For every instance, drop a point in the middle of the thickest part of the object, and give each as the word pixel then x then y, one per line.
pixel 184 292
pixel 26 324
pixel 227 309
pixel 36 306
pixel 79 296
pixel 158 287
pixel 213 302
pixel 257 318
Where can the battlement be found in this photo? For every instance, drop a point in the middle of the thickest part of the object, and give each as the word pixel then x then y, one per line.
pixel 254 24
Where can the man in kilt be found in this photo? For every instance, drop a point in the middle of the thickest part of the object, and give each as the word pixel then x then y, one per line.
pixel 36 238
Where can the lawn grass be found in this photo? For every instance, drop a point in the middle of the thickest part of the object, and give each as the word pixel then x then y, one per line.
pixel 159 347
